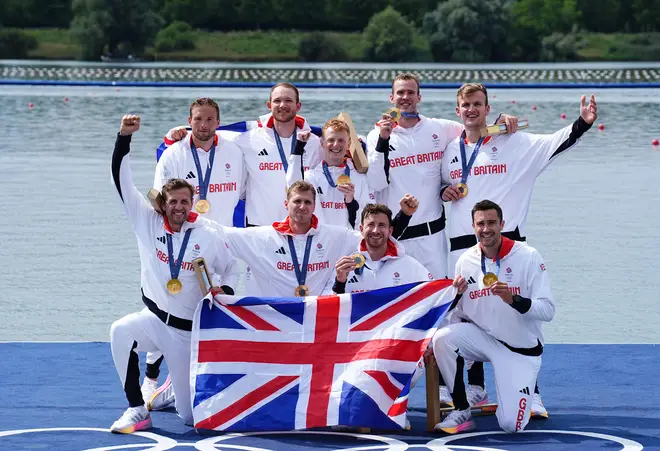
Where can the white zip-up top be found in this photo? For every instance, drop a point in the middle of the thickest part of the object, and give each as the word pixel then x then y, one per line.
pixel 330 206
pixel 152 230
pixel 412 165
pixel 395 268
pixel 266 182
pixel 227 175
pixel 504 171
pixel 266 251
pixel 523 270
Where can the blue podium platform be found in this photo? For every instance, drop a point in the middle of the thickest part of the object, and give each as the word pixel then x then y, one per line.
pixel 65 396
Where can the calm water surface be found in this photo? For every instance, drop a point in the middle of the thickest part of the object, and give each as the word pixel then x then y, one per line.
pixel 70 258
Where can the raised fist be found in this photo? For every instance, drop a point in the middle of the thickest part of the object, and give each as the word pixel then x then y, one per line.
pixel 130 123
pixel 303 136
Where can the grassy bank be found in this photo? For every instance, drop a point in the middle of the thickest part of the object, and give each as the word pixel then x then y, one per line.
pixel 283 46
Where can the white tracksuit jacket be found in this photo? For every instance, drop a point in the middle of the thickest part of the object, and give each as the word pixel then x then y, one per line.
pixel 395 268
pixel 266 251
pixel 504 171
pixel 228 174
pixel 330 206
pixel 413 165
pixel 523 270
pixel 151 229
pixel 266 179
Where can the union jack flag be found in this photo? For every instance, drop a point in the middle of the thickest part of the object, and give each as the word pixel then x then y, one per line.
pixel 294 363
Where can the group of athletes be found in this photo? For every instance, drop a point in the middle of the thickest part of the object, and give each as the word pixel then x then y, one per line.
pixel 315 225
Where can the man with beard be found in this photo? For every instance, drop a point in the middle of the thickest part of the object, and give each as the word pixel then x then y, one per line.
pixel 380 260
pixel 167 244
pixel 502 314
pixel 211 164
pixel 405 157
pixel 341 191
pixel 214 167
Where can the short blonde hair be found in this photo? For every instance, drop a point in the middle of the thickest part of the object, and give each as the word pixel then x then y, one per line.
pixel 470 88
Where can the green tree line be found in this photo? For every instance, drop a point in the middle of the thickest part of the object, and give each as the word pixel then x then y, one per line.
pixel 422 30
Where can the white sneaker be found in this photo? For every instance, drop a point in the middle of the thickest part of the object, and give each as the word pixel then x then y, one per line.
pixel 163 397
pixel 476 396
pixel 457 421
pixel 538 409
pixel 148 388
pixel 134 419
pixel 445 397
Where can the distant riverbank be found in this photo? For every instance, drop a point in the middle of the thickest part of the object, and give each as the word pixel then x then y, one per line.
pixel 268 46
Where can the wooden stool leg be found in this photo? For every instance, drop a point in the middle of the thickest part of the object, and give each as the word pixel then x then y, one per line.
pixel 432 395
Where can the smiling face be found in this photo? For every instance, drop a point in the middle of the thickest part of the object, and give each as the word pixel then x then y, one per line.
pixel 283 103
pixel 376 230
pixel 488 227
pixel 204 120
pixel 335 144
pixel 178 203
pixel 472 109
pixel 405 95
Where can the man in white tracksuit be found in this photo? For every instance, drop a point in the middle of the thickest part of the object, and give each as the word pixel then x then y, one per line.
pixel 296 256
pixel 266 152
pixel 502 168
pixel 405 157
pixel 385 261
pixel 337 203
pixel 168 243
pixel 505 298
pixel 213 165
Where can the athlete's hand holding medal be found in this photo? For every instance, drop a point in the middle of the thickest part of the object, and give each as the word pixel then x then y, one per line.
pixel 349 263
pixel 390 117
pixel 346 187
pixel 502 290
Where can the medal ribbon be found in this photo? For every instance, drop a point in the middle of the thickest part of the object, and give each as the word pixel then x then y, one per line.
pixel 467 167
pixel 301 274
pixel 483 263
pixel 203 180
pixel 410 115
pixel 280 148
pixel 175 267
pixel 328 176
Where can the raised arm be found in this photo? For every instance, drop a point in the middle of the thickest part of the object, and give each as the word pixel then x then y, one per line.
pixel 136 206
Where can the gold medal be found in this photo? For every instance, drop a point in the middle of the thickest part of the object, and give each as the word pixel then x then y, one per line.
pixel 489 279
pixel 301 291
pixel 202 206
pixel 343 179
pixel 462 187
pixel 394 113
pixel 174 286
pixel 359 260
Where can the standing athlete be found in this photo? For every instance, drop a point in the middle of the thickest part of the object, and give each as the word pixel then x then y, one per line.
pixel 405 157
pixel 341 191
pixel 214 167
pixel 168 243
pixel 502 168
pixel 505 299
